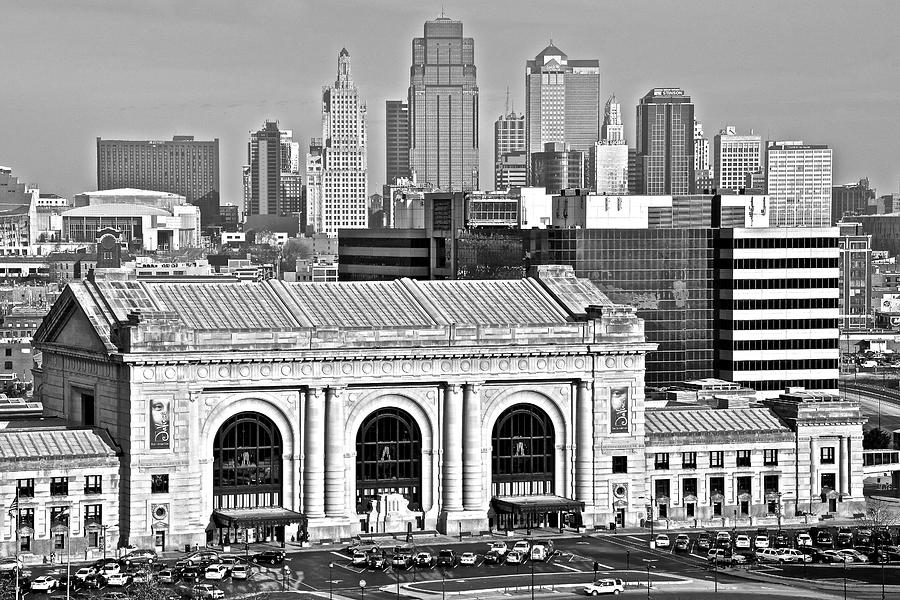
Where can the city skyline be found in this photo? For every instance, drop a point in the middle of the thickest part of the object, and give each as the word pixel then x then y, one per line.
pixel 134 94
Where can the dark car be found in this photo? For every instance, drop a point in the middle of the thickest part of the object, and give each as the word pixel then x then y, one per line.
pixel 682 543
pixel 376 560
pixel 92 582
pixel 191 573
pixel 845 537
pixel 783 540
pixel 704 540
pixel 863 537
pixel 882 537
pixel 447 559
pixel 723 544
pixel 494 557
pixel 269 557
pixel 824 539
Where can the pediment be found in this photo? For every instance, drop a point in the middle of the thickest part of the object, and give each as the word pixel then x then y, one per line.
pixel 75 330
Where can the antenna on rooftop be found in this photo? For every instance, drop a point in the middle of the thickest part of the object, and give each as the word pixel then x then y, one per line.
pixel 507 100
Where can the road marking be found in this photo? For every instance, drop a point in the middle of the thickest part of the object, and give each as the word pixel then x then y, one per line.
pixel 562 566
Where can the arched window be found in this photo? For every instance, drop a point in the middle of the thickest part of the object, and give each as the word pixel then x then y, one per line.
pixel 522 452
pixel 389 458
pixel 247 462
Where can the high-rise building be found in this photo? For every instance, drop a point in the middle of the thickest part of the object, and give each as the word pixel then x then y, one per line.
pixel 853 199
pixel 181 166
pixel 855 278
pixel 734 157
pixel 558 167
pixel 611 152
pixel 665 142
pixel 443 107
pixel 264 158
pixel 290 152
pixel 291 194
pixel 315 214
pixel 396 140
pixel 512 171
pixel 701 148
pixel 798 179
pixel 344 187
pixel 509 137
pixel 562 102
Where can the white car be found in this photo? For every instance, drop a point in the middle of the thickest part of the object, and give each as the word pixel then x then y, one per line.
pixel 44 583
pixel 218 571
pixel 761 541
pixel 467 558
pixel 500 547
pixel 359 558
pixel 605 586
pixel 85 572
pixel 522 546
pixel 110 568
pixel 10 564
pixel 240 571
pixel 835 556
pixel 804 539
pixel 768 555
pixel 204 590
pixel 662 541
pixel 118 580
pixel 854 556
pixel 742 541
pixel 515 557
pixel 789 555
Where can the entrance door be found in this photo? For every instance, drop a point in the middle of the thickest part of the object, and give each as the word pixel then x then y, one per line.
pixel 620 517
pixel 832 505
pixel 663 511
pixel 159 540
pixel 745 507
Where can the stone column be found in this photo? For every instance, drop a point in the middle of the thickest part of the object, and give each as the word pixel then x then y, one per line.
pixel 842 466
pixel 334 453
pixel 452 442
pixel 472 496
pixel 584 442
pixel 847 466
pixel 813 468
pixel 314 450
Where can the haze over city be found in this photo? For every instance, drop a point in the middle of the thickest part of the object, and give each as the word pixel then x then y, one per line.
pixel 823 72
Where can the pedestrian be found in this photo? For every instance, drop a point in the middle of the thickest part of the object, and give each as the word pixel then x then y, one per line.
pixel 53 558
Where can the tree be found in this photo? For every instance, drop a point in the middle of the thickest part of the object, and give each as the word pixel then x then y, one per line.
pixel 876 439
pixel 148 591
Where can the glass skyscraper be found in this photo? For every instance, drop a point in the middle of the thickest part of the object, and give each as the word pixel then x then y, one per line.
pixel 665 142
pixel 443 108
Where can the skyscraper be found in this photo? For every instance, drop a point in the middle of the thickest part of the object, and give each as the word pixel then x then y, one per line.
pixel 611 153
pixel 798 181
pixel 734 157
pixel 344 188
pixel 558 167
pixel 443 108
pixel 315 216
pixel 701 148
pixel 181 166
pixel 509 139
pixel 291 191
pixel 264 159
pixel 396 140
pixel 665 142
pixel 562 102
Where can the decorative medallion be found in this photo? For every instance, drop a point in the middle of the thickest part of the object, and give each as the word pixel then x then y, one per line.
pixel 485 365
pixel 170 373
pixel 265 370
pixel 148 374
pixel 579 363
pixel 446 366
pixel 407 367
pixel 426 366
pixel 610 362
pixel 541 364
pixel 224 371
pixel 465 365
pixel 346 368
pixel 202 372
pixel 306 370
pixel 560 363
pixel 387 367
pixel 367 368
pixel 327 369
pixel 504 365
pixel 523 364
pixel 629 362
pixel 286 370
pixel 244 371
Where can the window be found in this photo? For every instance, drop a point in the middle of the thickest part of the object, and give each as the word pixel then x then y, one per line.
pixel 716 459
pixel 26 518
pixel 689 487
pixel 93 484
pixel 770 484
pixel 87 410
pixel 7 365
pixel 93 539
pixel 159 484
pixel 828 481
pixel 8 351
pixel 689 460
pixel 93 515
pixel 770 458
pixel 59 541
pixel 25 543
pixel 827 455
pixel 59 486
pixel 744 485
pixel 661 462
pixel 743 458
pixel 25 488
pixel 619 464
pixel 59 516
pixel 716 486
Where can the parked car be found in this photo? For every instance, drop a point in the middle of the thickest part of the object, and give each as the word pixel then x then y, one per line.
pixel 804 539
pixel 863 537
pixel 92 582
pixel 85 572
pixel 114 596
pixel 724 535
pixel 761 541
pixel 142 576
pixel 851 555
pixel 468 558
pixel 768 555
pixel 500 547
pixel 240 571
pixel 662 541
pixel 845 537
pixel 682 542
pixel 110 568
pixel 359 558
pixel 721 556
pixel 824 539
pixel 522 546
pixel 742 541
pixel 447 559
pixel 542 551
pixel 216 571
pixel 704 540
pixel 783 539
pixel 494 557
pixel 425 559
pixel 118 580
pixel 269 557
pixel 205 590
pixel 515 557
pixel 168 576
pixel 190 573
pixel 377 561
pixel 789 555
pixel 141 556
pixel 402 560
pixel 44 583
pixel 10 563
pixel 203 556
pixel 605 586
pixel 832 556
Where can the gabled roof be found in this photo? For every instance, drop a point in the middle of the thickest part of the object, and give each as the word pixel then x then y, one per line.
pixel 550 50
pixel 54 442
pixel 699 421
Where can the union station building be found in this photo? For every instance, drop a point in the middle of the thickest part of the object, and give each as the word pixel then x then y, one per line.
pixel 250 411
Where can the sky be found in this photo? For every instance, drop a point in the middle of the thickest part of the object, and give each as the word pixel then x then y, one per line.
pixel 822 71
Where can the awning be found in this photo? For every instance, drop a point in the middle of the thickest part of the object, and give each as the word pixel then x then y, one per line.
pixel 521 505
pixel 242 518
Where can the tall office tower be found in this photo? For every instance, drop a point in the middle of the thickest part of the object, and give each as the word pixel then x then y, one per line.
pixel 264 159
pixel 799 184
pixel 855 278
pixel 777 322
pixel 291 190
pixel 633 184
pixel 701 148
pixel 315 213
pixel 396 140
pixel 512 171
pixel 734 157
pixel 665 142
pixel 562 102
pixel 853 199
pixel 344 188
pixel 509 137
pixel 290 152
pixel 443 108
pixel 558 167
pixel 611 152
pixel 181 166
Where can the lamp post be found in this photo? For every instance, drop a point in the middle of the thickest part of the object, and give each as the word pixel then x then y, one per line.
pixel 649 562
pixel 286 571
pixel 362 589
pixel 531 561
pixel 443 589
pixel 845 577
pixel 103 539
pixel 330 581
pixel 882 579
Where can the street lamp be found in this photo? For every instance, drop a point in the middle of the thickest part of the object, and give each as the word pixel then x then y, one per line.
pixel 286 571
pixel 845 577
pixel 443 589
pixel 649 562
pixel 103 538
pixel 362 589
pixel 330 581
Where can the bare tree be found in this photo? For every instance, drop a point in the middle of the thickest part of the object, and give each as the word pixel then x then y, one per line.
pixel 881 514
